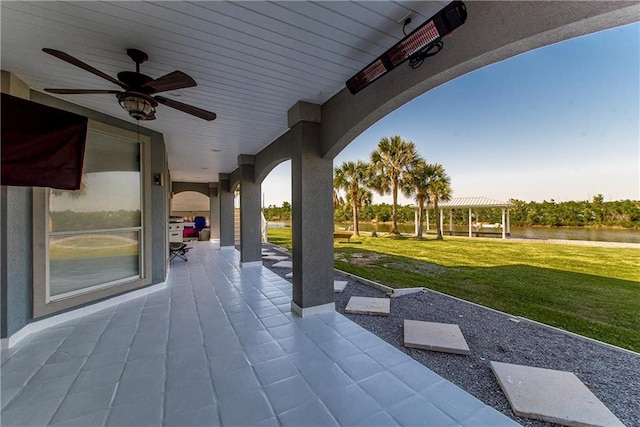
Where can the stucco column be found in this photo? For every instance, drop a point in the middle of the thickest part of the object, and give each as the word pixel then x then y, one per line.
pixel 214 212
pixel 226 222
pixel 250 219
pixel 312 223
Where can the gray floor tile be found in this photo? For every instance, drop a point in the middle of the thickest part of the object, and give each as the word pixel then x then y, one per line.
pixel 229 362
pixel 285 331
pixel 360 366
pixel 417 411
pixel 11 379
pixel 59 332
pixel 275 319
pixel 55 370
pixel 185 366
pixel 93 378
pixel 329 379
pixel 297 343
pixel 31 415
pixel 311 414
pixel 25 363
pixel 379 419
pixel 145 412
pixel 323 334
pixel 415 375
pixel 188 398
pixel 339 349
pixel 289 393
pixel 6 395
pixel 248 410
pixel 386 389
pixel 350 404
pixel 143 367
pixel 112 342
pixel 269 422
pixel 207 416
pixel 96 419
pixel 388 356
pixel 100 360
pixel 365 340
pixel 33 393
pixel 235 383
pixel 183 341
pixel 267 312
pixel 452 400
pixel 87 402
pixel 83 337
pixel 67 352
pixel 275 370
pixel 488 417
pixel 132 389
pixel 254 337
pixel 43 347
pixel 263 352
pixel 114 329
pixel 142 349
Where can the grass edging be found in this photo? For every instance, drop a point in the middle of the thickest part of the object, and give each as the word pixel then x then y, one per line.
pixel 390 290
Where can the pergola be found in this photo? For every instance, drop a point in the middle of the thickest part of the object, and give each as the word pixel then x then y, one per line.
pixel 471 203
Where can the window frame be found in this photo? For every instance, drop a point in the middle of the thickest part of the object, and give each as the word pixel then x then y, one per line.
pixel 43 304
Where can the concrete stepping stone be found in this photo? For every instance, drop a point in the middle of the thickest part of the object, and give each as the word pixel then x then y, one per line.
pixel 339 285
pixel 289 275
pixel 267 253
pixel 554 396
pixel 368 305
pixel 275 257
pixel 443 337
pixel 283 264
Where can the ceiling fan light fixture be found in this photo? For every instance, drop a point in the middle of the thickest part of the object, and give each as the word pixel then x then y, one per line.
pixel 138 105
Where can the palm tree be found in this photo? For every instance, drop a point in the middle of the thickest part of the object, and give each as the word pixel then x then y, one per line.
pixel 352 177
pixel 440 190
pixel 390 162
pixel 417 184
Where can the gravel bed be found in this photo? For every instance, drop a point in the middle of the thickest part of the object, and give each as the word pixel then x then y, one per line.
pixel 612 375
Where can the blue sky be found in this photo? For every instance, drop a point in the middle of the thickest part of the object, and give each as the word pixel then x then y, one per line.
pixel 561 122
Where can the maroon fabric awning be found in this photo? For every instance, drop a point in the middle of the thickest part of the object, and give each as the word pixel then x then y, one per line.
pixel 41 146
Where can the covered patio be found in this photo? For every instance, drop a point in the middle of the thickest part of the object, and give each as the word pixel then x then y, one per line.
pixel 218 339
pixel 220 346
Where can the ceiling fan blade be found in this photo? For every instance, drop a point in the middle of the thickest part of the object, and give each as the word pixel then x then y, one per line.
pixel 171 81
pixel 81 91
pixel 74 61
pixel 189 109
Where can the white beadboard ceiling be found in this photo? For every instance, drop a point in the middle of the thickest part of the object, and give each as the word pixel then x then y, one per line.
pixel 252 61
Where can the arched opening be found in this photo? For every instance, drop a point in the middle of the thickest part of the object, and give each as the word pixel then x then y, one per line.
pixel 189 206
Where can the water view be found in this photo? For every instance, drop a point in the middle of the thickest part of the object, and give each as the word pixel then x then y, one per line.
pixel 565 233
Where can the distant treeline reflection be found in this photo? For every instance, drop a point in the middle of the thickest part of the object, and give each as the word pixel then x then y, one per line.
pixel 77 221
pixel 597 212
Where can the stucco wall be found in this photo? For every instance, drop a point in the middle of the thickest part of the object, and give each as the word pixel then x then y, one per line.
pixel 16 220
pixel 16 258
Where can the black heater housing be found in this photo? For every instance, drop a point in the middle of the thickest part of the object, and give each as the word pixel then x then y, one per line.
pixel 417 45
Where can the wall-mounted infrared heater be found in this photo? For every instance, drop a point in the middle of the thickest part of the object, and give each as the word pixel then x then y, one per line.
pixel 424 41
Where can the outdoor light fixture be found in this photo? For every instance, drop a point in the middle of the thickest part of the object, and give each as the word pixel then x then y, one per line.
pixel 138 105
pixel 421 43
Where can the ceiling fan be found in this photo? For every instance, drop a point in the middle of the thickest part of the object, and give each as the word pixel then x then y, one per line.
pixel 137 97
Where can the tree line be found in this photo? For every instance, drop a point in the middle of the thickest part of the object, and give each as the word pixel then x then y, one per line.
pixel 584 213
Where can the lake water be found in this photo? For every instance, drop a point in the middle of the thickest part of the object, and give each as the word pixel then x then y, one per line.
pixel 566 233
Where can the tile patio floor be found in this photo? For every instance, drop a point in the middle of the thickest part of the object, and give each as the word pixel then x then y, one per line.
pixel 220 346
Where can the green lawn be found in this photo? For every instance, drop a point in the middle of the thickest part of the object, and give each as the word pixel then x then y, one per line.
pixel 592 291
